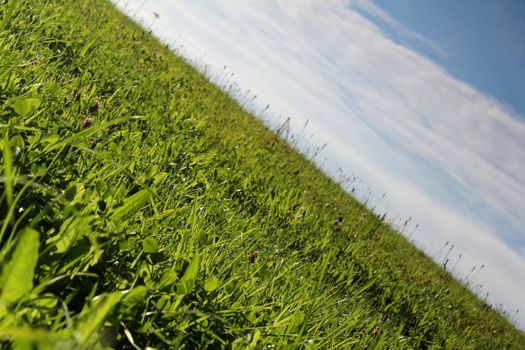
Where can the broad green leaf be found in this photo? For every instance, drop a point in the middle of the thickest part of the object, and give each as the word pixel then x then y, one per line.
pixel 158 178
pixel 134 297
pixel 18 266
pixel 150 245
pixel 50 139
pixel 296 323
pixel 4 311
pixel 187 283
pixel 255 338
pixel 93 317
pixel 71 230
pixel 164 302
pixel 185 287
pixel 26 107
pixel 130 207
pixel 25 344
pixel 25 337
pixel 70 192
pixel 127 244
pixel 168 279
pixel 193 269
pixel 211 284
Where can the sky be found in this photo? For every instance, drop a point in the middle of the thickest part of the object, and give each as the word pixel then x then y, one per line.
pixel 481 41
pixel 422 103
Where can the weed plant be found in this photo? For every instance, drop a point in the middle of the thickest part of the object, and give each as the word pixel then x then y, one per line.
pixel 141 207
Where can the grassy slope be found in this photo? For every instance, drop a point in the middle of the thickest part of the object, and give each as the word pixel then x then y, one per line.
pixel 145 224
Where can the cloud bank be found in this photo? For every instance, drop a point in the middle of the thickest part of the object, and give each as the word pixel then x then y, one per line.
pixel 444 153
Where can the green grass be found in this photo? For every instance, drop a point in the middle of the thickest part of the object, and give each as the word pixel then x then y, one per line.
pixel 139 227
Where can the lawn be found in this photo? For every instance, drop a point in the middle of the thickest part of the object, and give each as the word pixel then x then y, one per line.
pixel 142 207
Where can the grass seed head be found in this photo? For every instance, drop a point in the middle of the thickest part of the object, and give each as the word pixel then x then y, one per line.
pixel 338 222
pixel 112 128
pixel 76 93
pixel 95 108
pixel 87 123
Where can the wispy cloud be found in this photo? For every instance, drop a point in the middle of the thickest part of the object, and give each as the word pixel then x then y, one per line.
pixel 378 14
pixel 444 153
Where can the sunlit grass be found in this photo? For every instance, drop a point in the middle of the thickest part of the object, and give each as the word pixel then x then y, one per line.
pixel 142 207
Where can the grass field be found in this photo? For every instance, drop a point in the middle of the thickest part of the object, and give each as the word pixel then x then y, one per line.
pixel 142 207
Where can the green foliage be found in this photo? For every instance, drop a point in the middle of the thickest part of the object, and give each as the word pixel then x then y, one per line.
pixel 17 267
pixel 26 107
pixel 141 207
pixel 94 315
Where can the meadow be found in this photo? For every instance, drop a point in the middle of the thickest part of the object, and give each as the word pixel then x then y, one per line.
pixel 141 207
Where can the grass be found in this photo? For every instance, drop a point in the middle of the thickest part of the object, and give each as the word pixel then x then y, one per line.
pixel 142 207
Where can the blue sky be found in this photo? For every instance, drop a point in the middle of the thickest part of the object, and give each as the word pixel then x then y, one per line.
pixel 417 107
pixel 481 41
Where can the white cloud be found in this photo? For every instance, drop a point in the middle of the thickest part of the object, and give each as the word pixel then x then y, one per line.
pixel 377 12
pixel 445 154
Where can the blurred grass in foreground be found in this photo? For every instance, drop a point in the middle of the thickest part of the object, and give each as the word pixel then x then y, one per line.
pixel 142 207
